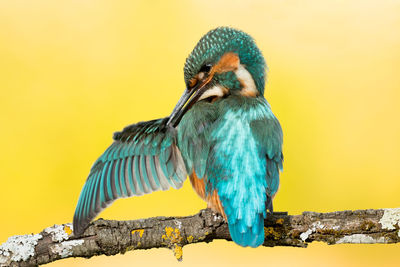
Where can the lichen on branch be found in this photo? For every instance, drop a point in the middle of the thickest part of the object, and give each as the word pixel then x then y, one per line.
pixel 110 237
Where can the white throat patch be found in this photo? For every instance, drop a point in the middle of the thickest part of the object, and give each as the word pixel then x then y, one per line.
pixel 245 78
pixel 216 90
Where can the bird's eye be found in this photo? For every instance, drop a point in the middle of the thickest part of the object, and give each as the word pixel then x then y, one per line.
pixel 205 68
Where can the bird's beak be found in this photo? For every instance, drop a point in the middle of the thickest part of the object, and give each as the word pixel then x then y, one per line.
pixel 189 97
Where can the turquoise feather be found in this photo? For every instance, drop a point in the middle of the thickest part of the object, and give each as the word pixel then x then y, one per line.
pixel 129 167
pixel 243 144
pixel 122 178
pixel 232 142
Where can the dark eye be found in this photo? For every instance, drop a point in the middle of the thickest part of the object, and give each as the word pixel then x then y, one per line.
pixel 205 68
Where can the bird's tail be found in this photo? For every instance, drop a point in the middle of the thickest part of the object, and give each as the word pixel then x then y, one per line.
pixel 244 235
pixel 246 224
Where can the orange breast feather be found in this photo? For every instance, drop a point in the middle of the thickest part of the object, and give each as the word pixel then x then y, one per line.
pixel 212 199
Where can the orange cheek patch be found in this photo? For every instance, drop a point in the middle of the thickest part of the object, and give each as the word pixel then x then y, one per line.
pixel 228 62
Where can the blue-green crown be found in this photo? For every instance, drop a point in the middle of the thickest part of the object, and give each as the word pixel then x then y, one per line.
pixel 220 41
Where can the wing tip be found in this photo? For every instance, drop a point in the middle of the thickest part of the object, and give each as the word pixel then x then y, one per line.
pixel 79 226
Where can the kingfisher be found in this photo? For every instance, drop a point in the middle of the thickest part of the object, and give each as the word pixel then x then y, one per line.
pixel 221 133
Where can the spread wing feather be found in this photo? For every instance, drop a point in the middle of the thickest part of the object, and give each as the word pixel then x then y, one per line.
pixel 143 158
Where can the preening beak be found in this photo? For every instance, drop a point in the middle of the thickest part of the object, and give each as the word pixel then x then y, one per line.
pixel 189 97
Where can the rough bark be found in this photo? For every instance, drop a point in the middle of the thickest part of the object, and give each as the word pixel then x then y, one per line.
pixel 112 237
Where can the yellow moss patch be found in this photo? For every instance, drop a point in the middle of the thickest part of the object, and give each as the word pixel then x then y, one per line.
pixel 173 238
pixel 270 232
pixel 190 239
pixel 173 235
pixel 140 231
pixel 178 252
pixel 68 230
pixel 279 221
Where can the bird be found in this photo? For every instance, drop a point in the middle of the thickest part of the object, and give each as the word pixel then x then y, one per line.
pixel 221 134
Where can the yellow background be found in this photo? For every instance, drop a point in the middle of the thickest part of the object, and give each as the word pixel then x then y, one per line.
pixel 73 72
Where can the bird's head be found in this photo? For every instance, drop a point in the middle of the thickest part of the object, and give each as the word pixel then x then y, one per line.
pixel 224 62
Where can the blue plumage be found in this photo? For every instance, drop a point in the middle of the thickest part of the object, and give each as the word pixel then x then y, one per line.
pixel 244 140
pixel 222 133
pixel 127 168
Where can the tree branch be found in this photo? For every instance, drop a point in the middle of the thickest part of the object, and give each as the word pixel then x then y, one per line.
pixel 113 237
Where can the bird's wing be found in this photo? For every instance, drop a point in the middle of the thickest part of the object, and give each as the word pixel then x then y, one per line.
pixel 143 158
pixel 268 133
pixel 193 133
